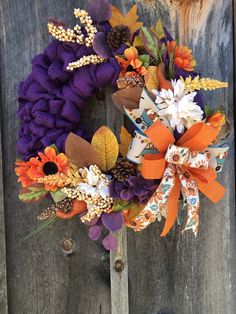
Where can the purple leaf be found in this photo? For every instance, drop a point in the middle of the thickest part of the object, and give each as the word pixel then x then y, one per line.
pixel 100 45
pixel 99 10
pixel 91 222
pixel 113 221
pixel 110 243
pixel 94 232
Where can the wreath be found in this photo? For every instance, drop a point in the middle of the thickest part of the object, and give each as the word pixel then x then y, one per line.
pixel 152 171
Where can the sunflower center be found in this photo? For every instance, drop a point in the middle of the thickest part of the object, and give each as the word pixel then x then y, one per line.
pixel 50 168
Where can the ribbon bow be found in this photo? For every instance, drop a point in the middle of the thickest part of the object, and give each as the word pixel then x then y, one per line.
pixel 183 166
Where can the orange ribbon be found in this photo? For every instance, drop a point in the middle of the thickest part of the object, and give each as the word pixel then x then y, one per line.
pixel 196 139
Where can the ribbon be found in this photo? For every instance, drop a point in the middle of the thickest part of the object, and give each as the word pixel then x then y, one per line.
pixel 182 166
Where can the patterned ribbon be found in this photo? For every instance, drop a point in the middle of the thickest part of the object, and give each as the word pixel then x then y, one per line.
pixel 183 166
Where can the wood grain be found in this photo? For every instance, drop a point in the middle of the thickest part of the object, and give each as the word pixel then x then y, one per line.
pixel 181 274
pixel 41 278
pixel 178 274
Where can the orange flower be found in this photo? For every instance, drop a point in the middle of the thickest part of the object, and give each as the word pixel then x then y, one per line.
pixel 182 55
pixel 217 120
pixel 131 65
pixel 22 168
pixel 47 163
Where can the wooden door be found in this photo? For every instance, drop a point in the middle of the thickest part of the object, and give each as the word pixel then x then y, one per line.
pixel 177 274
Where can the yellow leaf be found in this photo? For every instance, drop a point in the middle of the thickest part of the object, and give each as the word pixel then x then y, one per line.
pixel 138 40
pixel 159 30
pixel 130 19
pixel 125 140
pixel 105 144
pixel 151 79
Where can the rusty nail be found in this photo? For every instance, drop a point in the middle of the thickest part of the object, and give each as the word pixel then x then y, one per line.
pixel 119 266
pixel 67 246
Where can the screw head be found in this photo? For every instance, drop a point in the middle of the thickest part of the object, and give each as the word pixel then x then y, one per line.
pixel 119 266
pixel 67 246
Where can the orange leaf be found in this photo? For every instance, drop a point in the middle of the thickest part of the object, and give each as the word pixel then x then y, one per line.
pixel 151 80
pixel 80 152
pixel 106 146
pixel 130 19
pixel 125 140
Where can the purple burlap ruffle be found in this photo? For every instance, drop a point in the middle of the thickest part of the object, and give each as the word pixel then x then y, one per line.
pixel 51 98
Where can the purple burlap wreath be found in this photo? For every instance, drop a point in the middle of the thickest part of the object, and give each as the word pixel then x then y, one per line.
pixel 51 98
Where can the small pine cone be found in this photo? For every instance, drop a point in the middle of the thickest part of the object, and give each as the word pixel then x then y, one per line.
pixel 118 36
pixel 65 205
pixel 130 81
pixel 123 170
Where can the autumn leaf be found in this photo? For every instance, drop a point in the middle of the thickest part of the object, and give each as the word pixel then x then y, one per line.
pixel 151 80
pixel 133 211
pixel 130 19
pixel 33 193
pixel 158 30
pixel 150 43
pixel 80 152
pixel 58 196
pixel 145 60
pixel 138 40
pixel 125 140
pixel 121 205
pixel 106 146
pixel 127 98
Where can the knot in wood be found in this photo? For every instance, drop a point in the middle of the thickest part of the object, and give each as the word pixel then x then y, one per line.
pixel 119 266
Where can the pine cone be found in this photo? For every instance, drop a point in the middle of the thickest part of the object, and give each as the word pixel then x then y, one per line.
pixel 130 81
pixel 123 170
pixel 118 36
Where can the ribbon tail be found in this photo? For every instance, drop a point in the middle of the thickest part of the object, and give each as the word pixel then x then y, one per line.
pixel 189 188
pixel 157 202
pixel 172 207
pixel 212 190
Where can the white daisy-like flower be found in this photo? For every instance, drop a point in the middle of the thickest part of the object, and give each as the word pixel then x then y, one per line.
pixel 178 106
pixel 95 185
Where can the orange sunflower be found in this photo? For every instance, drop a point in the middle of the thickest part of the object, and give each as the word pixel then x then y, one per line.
pixel 131 65
pixel 22 168
pixel 47 163
pixel 182 55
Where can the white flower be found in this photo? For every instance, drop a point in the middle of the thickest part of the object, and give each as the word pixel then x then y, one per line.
pixel 178 106
pixel 94 184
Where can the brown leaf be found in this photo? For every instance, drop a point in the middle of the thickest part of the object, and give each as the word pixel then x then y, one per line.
pixel 80 152
pixel 128 98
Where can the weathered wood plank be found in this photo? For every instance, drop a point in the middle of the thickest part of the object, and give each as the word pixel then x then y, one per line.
pixel 119 275
pixel 3 262
pixel 179 273
pixel 42 279
pixel 118 259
